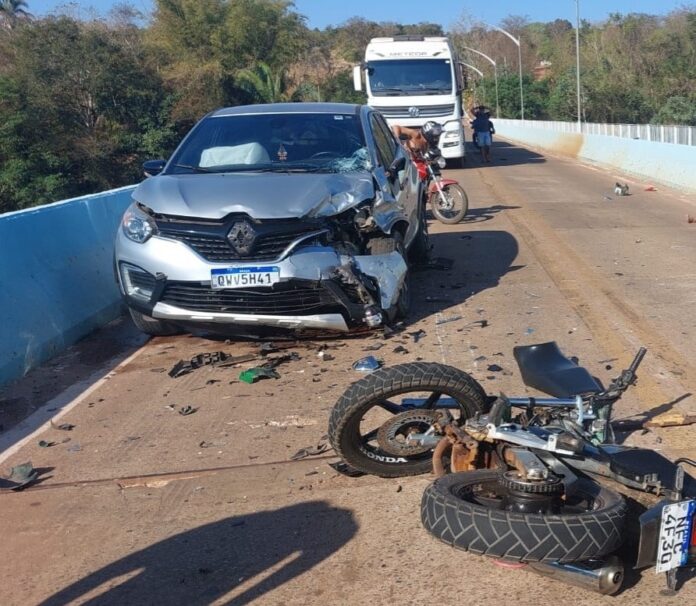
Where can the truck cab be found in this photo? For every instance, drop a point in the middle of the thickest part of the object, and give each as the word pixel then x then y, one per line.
pixel 414 79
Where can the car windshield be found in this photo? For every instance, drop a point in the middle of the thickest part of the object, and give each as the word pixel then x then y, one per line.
pixel 410 77
pixel 291 142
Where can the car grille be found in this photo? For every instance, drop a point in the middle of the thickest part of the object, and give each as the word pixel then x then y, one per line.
pixel 216 248
pixel 425 111
pixel 288 298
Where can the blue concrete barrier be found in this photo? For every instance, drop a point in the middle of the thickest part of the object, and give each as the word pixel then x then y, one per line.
pixel 56 277
pixel 648 161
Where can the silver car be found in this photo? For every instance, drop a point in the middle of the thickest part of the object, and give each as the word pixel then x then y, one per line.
pixel 293 216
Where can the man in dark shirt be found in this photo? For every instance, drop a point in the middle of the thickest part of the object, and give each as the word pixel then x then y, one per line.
pixel 483 127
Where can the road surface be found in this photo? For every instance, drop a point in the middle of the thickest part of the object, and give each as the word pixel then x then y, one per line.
pixel 142 505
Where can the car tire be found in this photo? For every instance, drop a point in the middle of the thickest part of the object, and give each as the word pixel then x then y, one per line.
pixel 153 326
pixel 383 245
pixel 420 248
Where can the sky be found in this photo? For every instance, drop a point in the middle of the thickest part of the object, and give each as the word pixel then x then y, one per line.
pixel 321 13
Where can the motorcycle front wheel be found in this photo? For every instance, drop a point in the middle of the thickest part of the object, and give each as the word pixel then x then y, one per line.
pixel 370 424
pixel 453 208
pixel 467 510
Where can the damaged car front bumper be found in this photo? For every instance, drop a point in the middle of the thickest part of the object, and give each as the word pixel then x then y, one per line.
pixel 317 287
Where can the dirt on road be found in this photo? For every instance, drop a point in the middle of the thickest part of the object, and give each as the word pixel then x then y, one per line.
pixel 139 504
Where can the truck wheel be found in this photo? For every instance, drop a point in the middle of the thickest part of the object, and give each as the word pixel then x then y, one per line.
pixel 153 326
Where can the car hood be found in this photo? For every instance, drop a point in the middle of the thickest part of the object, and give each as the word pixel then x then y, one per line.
pixel 261 196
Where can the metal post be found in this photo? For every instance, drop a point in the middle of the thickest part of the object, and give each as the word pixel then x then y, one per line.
pixel 495 75
pixel 577 57
pixel 519 58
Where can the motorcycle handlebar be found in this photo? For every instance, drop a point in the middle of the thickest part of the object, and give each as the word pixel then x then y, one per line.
pixel 637 360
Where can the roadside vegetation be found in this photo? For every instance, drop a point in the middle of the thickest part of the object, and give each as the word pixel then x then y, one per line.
pixel 84 101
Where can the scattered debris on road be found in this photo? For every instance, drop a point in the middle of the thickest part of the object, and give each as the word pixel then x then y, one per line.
pixel 416 336
pixel 346 470
pixel 218 358
pixel 671 419
pixel 374 347
pixel 447 320
pixel 400 349
pixel 257 373
pixel 46 444
pixel 310 451
pixel 20 477
pixel 187 410
pixel 367 364
pixel 63 426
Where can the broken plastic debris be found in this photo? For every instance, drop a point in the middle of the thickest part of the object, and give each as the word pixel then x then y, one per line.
pixel 20 476
pixel 346 470
pixel 367 364
pixel 187 410
pixel 325 356
pixel 400 349
pixel 373 347
pixel 416 336
pixel 447 320
pixel 252 375
pixel 321 447
pixel 218 358
pixel 495 368
pixel 63 426
pixel 46 444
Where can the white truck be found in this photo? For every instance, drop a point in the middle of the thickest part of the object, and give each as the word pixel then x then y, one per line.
pixel 412 79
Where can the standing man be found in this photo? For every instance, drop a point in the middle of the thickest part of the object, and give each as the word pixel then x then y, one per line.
pixel 483 127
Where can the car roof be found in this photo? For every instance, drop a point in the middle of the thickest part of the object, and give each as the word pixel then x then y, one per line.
pixel 289 108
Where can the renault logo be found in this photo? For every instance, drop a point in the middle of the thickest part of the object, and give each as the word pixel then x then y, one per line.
pixel 413 111
pixel 242 237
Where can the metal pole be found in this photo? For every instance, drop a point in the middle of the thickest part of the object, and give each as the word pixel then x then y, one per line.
pixel 495 74
pixel 577 60
pixel 519 56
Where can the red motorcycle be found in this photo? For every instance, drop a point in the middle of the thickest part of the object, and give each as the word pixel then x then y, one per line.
pixel 448 200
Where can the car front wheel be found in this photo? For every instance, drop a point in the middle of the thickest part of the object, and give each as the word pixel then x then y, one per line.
pixel 153 326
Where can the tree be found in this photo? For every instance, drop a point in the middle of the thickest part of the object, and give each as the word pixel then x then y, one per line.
pixel 264 85
pixel 12 11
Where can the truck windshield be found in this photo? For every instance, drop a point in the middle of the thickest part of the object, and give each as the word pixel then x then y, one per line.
pixel 410 77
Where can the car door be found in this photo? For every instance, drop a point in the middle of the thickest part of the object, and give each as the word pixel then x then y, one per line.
pixel 404 187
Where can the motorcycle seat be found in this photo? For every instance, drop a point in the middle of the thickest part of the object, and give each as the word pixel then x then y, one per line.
pixel 544 367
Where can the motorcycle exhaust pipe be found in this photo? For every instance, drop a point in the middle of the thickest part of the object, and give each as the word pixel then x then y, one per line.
pixel 600 576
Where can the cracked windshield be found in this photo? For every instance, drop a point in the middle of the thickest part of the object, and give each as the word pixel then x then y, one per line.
pixel 279 142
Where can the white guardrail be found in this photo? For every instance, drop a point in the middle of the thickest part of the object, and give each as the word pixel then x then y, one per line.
pixel 657 133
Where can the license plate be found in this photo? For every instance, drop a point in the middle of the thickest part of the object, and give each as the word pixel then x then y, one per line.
pixel 243 277
pixel 675 533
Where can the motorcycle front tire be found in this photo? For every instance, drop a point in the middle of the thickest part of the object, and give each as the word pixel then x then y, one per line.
pixel 368 392
pixel 460 200
pixel 522 537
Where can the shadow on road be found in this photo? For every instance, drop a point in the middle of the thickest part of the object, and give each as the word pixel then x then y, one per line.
pixel 480 259
pixel 220 561
pixel 505 153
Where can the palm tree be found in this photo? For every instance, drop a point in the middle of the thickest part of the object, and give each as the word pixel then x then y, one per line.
pixel 12 11
pixel 262 83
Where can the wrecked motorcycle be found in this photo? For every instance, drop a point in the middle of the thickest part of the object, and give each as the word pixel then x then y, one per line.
pixel 538 481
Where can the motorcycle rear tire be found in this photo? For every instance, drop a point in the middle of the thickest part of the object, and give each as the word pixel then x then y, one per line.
pixel 522 537
pixel 460 200
pixel 365 394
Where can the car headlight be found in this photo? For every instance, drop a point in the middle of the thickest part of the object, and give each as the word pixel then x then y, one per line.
pixel 137 225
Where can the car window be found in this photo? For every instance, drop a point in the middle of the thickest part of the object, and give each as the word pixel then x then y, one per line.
pixel 330 142
pixel 386 146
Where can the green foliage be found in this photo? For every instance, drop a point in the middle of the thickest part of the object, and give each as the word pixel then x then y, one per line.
pixel 82 104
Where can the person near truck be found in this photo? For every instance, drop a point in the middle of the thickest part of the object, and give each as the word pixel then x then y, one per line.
pixel 483 127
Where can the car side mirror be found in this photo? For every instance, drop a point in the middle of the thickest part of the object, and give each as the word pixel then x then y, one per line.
pixel 396 167
pixel 153 167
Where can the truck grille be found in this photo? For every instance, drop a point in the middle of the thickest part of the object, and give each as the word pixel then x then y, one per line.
pixel 425 111
pixel 288 298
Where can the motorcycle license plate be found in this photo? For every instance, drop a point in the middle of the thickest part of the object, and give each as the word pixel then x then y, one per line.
pixel 244 277
pixel 675 535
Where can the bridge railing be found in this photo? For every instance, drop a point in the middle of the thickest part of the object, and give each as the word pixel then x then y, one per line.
pixel 659 133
